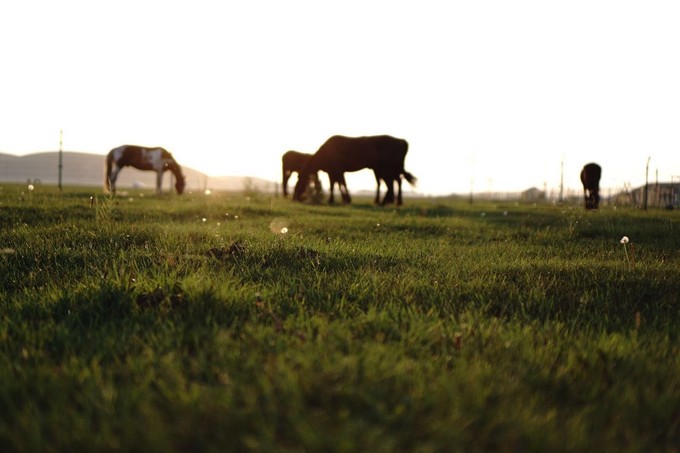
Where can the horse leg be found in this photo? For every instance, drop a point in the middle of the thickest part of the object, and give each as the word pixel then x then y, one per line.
pixel 159 182
pixel 112 179
pixel 377 189
pixel 331 199
pixel 343 190
pixel 399 201
pixel 286 176
pixel 317 185
pixel 389 196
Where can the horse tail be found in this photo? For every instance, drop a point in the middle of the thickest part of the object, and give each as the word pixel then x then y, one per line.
pixel 410 178
pixel 107 174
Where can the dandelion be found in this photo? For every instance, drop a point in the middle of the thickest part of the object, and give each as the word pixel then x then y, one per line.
pixel 624 240
pixel 208 191
pixel 30 187
pixel 204 220
pixel 279 226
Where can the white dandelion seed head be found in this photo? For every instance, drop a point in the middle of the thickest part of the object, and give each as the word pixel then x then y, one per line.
pixel 279 225
pixel 204 219
pixel 207 191
pixel 30 187
pixel 625 240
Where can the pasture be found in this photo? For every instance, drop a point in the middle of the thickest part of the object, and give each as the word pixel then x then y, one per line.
pixel 226 322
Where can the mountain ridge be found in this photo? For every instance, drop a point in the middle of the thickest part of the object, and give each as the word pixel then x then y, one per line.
pixel 87 169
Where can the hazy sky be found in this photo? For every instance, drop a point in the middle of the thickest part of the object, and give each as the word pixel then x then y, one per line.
pixel 493 93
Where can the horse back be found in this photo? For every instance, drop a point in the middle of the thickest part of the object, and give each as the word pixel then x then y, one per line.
pixel 141 157
pixel 355 153
pixel 294 160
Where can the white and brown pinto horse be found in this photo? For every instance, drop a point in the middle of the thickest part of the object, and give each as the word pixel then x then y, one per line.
pixel 142 158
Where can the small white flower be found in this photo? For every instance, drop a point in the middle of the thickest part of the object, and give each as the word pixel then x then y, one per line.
pixel 279 226
pixel 204 219
pixel 625 240
pixel 208 191
pixel 30 187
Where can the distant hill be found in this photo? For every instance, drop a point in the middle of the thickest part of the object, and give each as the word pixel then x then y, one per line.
pixel 85 169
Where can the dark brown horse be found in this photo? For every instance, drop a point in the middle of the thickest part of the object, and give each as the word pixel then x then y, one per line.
pixel 383 154
pixel 294 162
pixel 155 159
pixel 590 177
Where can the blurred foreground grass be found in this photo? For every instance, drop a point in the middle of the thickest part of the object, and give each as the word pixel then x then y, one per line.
pixel 227 322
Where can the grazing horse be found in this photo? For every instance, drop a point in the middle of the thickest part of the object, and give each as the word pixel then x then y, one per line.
pixel 156 159
pixel 590 177
pixel 294 162
pixel 382 153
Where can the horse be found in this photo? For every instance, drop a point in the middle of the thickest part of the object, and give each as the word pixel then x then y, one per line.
pixel 383 154
pixel 142 158
pixel 590 177
pixel 294 162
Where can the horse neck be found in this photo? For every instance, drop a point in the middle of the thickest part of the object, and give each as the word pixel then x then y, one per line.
pixel 313 165
pixel 175 169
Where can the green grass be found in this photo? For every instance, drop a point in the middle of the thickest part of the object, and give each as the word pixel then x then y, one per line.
pixel 176 323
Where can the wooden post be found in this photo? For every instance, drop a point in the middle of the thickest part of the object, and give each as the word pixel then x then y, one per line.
pixel 61 155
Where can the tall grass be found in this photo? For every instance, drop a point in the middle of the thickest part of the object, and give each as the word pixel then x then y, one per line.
pixel 227 322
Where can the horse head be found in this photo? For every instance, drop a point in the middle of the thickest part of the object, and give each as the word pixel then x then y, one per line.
pixel 299 194
pixel 180 183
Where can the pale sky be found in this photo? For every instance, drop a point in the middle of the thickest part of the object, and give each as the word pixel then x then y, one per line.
pixel 489 94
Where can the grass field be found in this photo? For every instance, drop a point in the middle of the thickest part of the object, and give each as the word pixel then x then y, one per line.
pixel 226 322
